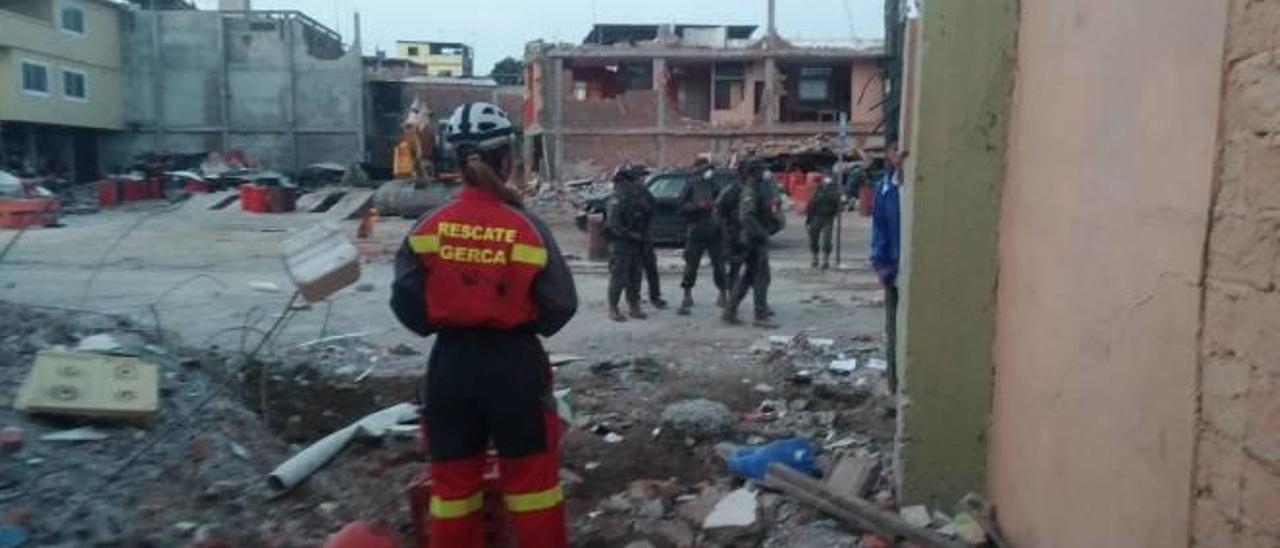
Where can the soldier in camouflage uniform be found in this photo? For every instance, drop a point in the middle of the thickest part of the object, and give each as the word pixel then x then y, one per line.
pixel 759 216
pixel 697 204
pixel 820 218
pixel 627 226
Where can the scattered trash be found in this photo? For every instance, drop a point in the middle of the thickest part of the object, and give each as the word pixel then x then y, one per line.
pixel 877 364
pixel 265 287
pixel 87 433
pixel 613 437
pixel 240 451
pixel 753 461
pixel 303 464
pixel 101 343
pixel 844 366
pixel 591 466
pixel 12 439
pixel 917 515
pixel 13 536
pixel 764 388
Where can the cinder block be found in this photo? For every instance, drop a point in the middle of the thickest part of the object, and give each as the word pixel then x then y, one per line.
pixel 1224 381
pixel 1217 476
pixel 1261 497
pixel 1209 527
pixel 1262 414
pixel 1243 250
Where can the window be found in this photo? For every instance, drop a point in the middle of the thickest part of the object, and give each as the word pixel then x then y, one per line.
pixel 75 85
pixel 668 187
pixel 815 84
pixel 413 51
pixel 35 78
pixel 72 18
pixel 729 85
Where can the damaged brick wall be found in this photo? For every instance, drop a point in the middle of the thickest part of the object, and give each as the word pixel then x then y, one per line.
pixel 603 152
pixel 1237 479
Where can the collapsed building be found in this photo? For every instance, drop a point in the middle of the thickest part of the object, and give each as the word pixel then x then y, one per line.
pixel 663 94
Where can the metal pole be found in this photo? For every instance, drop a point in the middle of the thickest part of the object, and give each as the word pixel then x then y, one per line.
pixel 839 173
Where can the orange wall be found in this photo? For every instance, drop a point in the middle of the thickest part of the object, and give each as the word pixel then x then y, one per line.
pixel 1102 226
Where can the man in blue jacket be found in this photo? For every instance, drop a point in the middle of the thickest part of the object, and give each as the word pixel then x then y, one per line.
pixel 885 241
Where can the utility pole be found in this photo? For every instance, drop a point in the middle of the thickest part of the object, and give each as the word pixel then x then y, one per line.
pixel 839 174
pixel 773 13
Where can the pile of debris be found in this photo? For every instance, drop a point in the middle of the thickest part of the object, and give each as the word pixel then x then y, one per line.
pixel 183 464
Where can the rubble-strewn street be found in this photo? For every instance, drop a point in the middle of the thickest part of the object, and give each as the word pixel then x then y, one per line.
pixel 192 290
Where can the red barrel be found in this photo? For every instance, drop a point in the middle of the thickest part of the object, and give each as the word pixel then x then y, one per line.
pixel 253 198
pixel 28 212
pixel 361 534
pixel 133 190
pixel 155 188
pixel 803 192
pixel 108 192
pixel 866 199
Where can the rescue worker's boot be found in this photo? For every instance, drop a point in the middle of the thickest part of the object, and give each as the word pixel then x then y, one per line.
pixel 763 322
pixel 730 317
pixel 658 302
pixel 615 314
pixel 826 260
pixel 814 262
pixel 723 299
pixel 687 303
pixel 636 313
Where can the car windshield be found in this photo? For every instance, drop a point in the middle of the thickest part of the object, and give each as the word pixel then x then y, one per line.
pixel 668 186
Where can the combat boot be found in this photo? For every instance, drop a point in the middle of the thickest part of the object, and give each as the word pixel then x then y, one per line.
pixel 687 303
pixel 826 261
pixel 723 299
pixel 814 262
pixel 658 302
pixel 730 317
pixel 636 313
pixel 616 315
pixel 763 322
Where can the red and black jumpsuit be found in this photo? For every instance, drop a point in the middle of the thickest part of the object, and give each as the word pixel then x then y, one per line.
pixel 487 278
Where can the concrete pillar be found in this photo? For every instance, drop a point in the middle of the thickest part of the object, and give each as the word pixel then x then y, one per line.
pixel 291 43
pixel 771 114
pixel 557 115
pixel 660 90
pixel 950 215
pixel 224 93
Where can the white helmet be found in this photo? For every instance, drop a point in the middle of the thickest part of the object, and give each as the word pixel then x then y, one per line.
pixel 476 127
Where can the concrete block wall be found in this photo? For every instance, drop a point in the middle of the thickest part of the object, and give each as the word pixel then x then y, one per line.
pixel 231 82
pixel 1237 468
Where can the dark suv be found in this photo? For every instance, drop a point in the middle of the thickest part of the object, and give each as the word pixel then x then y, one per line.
pixel 668 225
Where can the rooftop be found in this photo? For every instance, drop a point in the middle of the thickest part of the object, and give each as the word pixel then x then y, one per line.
pixel 606 33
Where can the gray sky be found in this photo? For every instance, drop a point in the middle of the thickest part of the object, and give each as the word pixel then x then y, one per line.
pixel 498 28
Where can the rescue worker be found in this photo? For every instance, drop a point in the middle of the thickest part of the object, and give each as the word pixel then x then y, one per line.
pixel 820 217
pixel 650 257
pixel 726 214
pixel 627 226
pixel 886 241
pixel 758 215
pixel 702 235
pixel 487 278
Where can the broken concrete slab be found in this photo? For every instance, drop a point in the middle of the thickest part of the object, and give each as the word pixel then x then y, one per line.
pixel 314 202
pixel 90 385
pixel 737 509
pixel 853 475
pixel 352 205
pixel 917 515
pixel 700 419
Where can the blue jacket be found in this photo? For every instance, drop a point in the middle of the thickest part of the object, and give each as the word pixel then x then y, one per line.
pixel 886 232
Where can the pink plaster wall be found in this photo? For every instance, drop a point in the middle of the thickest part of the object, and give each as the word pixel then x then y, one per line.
pixel 867 85
pixel 1102 228
pixel 743 114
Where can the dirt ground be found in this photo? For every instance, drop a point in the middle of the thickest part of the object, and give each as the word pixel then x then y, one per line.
pixel 185 275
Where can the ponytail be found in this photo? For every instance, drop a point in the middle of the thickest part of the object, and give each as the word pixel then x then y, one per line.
pixel 478 171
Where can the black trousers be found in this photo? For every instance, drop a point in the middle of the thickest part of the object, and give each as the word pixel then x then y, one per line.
pixel 891 335
pixel 624 274
pixel 695 246
pixel 755 278
pixel 486 384
pixel 820 229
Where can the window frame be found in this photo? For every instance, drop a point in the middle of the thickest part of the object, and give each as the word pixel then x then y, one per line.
pixel 411 51
pixel 63 6
pixel 84 77
pixel 22 78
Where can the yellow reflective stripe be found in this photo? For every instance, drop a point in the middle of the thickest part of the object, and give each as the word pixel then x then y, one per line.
pixel 427 243
pixel 529 254
pixel 532 502
pixel 456 508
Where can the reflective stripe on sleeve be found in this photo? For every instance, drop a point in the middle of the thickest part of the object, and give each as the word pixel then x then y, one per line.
pixel 456 508
pixel 533 502
pixel 529 254
pixel 425 244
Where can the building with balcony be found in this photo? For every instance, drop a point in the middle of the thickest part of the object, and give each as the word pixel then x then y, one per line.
pixel 61 84
pixel 664 94
pixel 439 58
